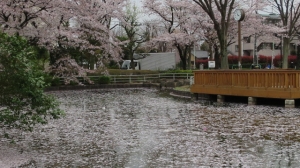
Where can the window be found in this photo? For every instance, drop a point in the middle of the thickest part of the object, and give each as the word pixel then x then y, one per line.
pixel 236 48
pixel 247 39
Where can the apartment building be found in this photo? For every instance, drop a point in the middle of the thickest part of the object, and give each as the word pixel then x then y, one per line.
pixel 262 47
pixel 266 48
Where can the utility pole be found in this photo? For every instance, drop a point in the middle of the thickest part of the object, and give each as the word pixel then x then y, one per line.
pixel 239 16
pixel 194 56
pixel 239 44
pixel 255 59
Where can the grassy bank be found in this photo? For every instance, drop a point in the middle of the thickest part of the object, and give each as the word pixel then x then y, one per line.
pixel 183 88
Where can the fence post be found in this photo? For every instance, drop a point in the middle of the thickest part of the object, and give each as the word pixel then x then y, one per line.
pixel 173 76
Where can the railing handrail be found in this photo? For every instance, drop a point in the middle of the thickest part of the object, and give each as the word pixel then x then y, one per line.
pixel 142 77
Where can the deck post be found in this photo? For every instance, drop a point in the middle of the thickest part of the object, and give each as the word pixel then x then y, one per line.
pixel 252 100
pixel 195 96
pixel 220 99
pixel 289 103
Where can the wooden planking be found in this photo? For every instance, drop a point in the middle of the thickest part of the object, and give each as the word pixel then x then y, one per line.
pixel 253 83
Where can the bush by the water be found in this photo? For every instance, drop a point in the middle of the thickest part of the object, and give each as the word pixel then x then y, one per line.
pixel 73 83
pixel 55 82
pixel 104 80
pixel 178 71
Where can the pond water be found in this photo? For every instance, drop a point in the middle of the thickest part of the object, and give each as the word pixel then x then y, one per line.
pixel 140 128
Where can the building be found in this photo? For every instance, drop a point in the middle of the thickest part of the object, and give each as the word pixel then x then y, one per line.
pixel 262 47
pixel 266 48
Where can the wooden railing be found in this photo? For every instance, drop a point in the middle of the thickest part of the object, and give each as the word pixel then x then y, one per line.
pixel 256 83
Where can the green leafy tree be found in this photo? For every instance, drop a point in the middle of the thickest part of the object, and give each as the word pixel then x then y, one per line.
pixel 23 102
pixel 133 34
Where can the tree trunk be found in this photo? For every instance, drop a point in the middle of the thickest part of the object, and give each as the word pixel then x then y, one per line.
pixel 183 64
pixel 132 63
pixel 223 50
pixel 132 66
pixel 91 62
pixel 217 57
pixel 224 59
pixel 183 52
pixel 286 53
pixel 189 57
pixel 298 59
pixel 224 62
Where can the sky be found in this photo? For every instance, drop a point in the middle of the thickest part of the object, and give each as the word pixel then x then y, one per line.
pixel 139 3
pixel 142 18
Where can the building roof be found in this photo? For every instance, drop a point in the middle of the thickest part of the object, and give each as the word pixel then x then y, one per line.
pixel 201 54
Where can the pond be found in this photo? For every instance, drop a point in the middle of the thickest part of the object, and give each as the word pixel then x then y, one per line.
pixel 143 128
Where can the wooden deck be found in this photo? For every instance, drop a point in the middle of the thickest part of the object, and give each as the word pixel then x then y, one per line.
pixel 283 84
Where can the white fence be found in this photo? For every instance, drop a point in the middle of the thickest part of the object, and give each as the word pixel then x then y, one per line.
pixel 140 78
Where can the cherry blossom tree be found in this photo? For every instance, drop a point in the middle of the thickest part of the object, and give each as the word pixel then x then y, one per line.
pixel 68 69
pixel 221 27
pixel 181 29
pixel 134 35
pixel 289 11
pixel 53 25
pixel 220 14
pixel 60 25
pixel 211 38
pixel 256 26
pixel 63 23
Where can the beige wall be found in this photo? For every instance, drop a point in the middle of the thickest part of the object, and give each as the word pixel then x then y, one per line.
pixel 233 50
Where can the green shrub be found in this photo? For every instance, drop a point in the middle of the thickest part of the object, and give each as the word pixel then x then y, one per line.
pixel 123 72
pixel 246 65
pixel 51 81
pixel 113 65
pixel 47 79
pixel 104 80
pixel 178 71
pixel 23 103
pixel 94 79
pixel 55 82
pixel 73 83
